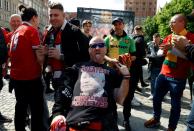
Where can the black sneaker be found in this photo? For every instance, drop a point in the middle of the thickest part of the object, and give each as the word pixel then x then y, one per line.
pixel 138 89
pixel 144 84
pixel 4 119
pixel 126 125
pixel 27 121
pixel 7 77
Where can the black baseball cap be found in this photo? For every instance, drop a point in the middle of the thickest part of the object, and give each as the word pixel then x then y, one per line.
pixel 117 19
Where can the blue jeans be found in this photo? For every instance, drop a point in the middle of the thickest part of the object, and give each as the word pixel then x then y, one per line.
pixel 176 87
pixel 190 119
pixel 154 74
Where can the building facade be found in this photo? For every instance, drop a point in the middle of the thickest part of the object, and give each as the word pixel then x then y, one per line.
pixel 9 7
pixel 142 9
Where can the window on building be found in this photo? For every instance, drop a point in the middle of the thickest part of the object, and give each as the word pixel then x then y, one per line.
pixel 11 7
pixel 14 8
pixel 143 3
pixel 137 9
pixel 6 5
pixel 150 3
pixel 1 3
pixel 137 3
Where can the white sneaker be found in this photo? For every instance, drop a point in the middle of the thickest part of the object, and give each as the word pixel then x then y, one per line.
pixel 150 97
pixel 135 102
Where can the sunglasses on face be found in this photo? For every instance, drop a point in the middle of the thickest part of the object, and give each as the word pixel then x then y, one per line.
pixel 99 45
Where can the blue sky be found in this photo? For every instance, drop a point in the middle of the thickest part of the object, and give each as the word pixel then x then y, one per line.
pixel 71 5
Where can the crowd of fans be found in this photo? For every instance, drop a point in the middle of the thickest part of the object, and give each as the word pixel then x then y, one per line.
pixel 90 74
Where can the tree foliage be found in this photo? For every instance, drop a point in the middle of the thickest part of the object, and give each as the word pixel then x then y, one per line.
pixel 160 22
pixel 150 27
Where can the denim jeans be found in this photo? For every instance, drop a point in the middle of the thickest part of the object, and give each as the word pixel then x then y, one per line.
pixel 190 119
pixel 176 87
pixel 154 74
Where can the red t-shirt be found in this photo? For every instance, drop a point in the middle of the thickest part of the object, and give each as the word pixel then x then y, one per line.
pixel 24 64
pixel 182 66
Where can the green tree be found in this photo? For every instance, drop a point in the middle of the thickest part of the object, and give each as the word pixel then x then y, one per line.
pixel 162 18
pixel 150 27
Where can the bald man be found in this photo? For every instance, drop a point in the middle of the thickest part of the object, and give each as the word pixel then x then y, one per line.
pixel 96 87
pixel 173 74
pixel 15 21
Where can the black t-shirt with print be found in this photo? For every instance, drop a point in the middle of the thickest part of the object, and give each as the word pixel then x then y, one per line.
pixel 93 92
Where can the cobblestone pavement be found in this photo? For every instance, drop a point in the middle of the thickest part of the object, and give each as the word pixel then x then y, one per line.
pixel 139 114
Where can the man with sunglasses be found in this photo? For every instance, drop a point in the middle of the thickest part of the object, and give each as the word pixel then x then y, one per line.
pixel 187 47
pixel 96 89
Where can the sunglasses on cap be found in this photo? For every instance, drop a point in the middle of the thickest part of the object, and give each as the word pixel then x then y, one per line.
pixel 99 45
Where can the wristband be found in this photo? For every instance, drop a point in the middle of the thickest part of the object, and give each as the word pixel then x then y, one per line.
pixel 126 76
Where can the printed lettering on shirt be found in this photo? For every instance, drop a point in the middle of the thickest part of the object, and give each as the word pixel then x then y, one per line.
pixel 118 46
pixel 90 101
pixel 95 69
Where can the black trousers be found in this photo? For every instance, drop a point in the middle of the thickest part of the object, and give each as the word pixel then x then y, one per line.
pixel 47 78
pixel 135 74
pixel 28 93
pixel 1 77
